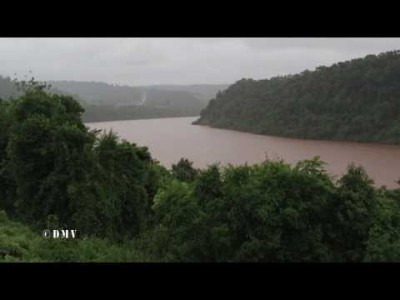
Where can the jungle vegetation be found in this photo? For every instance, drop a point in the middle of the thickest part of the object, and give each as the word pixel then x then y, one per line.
pixel 55 173
pixel 356 100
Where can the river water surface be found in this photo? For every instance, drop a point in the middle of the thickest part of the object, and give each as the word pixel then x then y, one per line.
pixel 170 139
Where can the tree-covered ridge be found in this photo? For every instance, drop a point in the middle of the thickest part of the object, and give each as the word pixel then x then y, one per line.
pixel 57 174
pixel 107 102
pixel 357 100
pixel 100 93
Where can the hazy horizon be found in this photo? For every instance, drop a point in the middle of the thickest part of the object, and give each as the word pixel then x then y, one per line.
pixel 177 61
pixel 131 85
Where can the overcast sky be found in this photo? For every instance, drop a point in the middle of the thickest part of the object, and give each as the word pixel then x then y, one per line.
pixel 147 61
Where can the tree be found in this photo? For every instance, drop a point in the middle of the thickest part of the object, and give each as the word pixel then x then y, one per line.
pixel 352 212
pixel 96 183
pixel 184 170
pixel 48 149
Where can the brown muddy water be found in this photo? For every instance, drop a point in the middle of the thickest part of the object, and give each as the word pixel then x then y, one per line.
pixel 170 139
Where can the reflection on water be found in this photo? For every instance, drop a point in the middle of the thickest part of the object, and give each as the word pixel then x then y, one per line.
pixel 171 139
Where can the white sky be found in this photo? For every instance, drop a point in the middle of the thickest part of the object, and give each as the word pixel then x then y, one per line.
pixel 147 61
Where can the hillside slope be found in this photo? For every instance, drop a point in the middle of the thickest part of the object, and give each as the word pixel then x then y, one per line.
pixel 357 100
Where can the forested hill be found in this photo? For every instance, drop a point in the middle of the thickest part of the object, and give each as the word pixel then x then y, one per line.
pixel 204 92
pixel 357 100
pixel 107 102
pixel 101 93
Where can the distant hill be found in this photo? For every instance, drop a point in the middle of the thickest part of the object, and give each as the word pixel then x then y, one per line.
pixel 356 100
pixel 106 102
pixel 202 91
pixel 99 93
pixel 103 93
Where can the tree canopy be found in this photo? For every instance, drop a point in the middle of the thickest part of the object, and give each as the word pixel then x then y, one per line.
pixel 357 100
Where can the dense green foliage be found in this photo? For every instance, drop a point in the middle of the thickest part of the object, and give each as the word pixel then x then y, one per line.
pixel 357 100
pixel 57 174
pixel 52 165
pixel 274 212
pixel 20 243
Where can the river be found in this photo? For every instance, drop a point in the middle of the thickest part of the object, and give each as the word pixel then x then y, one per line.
pixel 170 139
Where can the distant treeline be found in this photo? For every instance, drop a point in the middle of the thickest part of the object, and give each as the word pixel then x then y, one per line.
pixel 99 113
pixel 357 100
pixel 107 102
pixel 101 93
pixel 55 173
